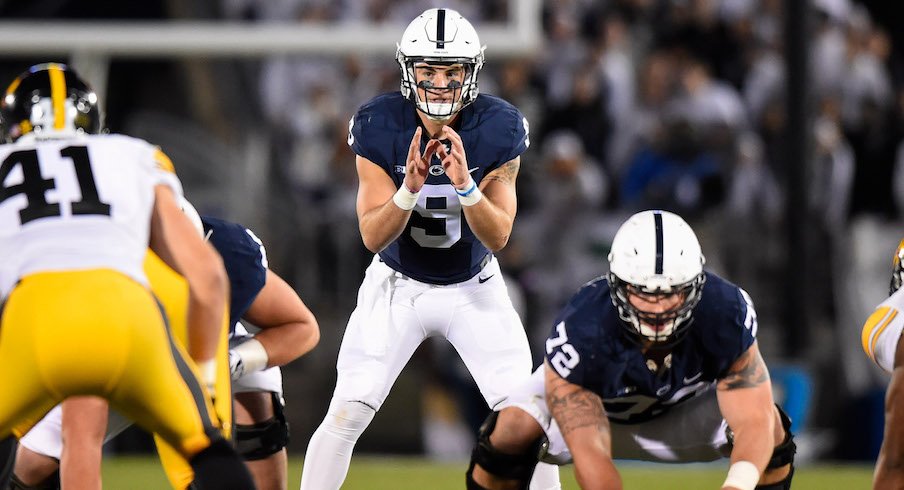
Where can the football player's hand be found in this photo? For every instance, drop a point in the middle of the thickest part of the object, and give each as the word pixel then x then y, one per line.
pixel 416 164
pixel 455 163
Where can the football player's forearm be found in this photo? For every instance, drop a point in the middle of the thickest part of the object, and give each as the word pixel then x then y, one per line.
pixel 490 224
pixel 598 475
pixel 287 342
pixel 207 308
pixel 381 226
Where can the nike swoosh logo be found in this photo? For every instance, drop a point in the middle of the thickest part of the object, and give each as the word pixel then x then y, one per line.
pixel 482 280
pixel 471 170
pixel 693 378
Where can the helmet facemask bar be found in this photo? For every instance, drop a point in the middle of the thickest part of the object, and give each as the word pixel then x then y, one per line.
pixel 673 324
pixel 897 272
pixel 463 93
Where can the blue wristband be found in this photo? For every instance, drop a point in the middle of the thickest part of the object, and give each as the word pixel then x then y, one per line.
pixel 469 191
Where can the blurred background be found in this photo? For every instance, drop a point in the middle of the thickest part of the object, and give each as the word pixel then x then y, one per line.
pixel 773 127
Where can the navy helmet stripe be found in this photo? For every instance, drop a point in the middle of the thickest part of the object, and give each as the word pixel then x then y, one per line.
pixel 440 28
pixel 657 218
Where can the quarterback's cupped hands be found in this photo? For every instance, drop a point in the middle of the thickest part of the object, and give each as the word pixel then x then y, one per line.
pixel 417 164
pixel 455 163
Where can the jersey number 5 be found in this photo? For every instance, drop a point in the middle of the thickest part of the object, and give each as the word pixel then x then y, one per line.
pixel 34 186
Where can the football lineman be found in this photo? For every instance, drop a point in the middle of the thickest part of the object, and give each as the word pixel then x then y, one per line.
pixel 77 213
pixel 881 340
pixel 436 165
pixel 288 330
pixel 656 361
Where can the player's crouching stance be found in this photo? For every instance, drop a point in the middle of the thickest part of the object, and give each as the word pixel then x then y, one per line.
pixel 657 361
pixel 881 340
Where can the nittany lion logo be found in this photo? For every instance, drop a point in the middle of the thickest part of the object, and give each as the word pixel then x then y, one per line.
pixel 436 170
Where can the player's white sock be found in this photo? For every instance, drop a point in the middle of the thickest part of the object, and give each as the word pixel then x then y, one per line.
pixel 330 449
pixel 546 477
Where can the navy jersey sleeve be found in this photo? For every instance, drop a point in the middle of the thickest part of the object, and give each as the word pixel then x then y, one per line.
pixel 569 348
pixel 245 260
pixel 725 322
pixel 505 133
pixel 519 132
pixel 381 131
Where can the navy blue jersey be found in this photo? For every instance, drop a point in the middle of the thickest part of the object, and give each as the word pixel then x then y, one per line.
pixel 437 246
pixel 244 259
pixel 589 347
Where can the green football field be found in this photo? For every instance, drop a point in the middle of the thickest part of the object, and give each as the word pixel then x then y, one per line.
pixel 397 473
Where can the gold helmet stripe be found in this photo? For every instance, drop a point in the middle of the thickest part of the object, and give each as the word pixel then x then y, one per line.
pixel 57 95
pixel 13 86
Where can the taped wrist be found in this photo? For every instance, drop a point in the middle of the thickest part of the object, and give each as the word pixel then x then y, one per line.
pixel 470 195
pixel 208 371
pixel 743 475
pixel 405 199
pixel 249 356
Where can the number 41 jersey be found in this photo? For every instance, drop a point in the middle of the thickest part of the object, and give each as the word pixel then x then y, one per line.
pixel 437 246
pixel 83 202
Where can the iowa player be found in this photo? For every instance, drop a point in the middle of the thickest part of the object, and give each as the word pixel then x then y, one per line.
pixel 78 210
pixel 881 340
pixel 288 330
pixel 436 164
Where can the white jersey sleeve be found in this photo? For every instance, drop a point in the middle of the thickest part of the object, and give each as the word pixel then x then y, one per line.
pixel 78 203
pixel 883 329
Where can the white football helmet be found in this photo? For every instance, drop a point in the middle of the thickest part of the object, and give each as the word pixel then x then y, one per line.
pixel 656 253
pixel 440 36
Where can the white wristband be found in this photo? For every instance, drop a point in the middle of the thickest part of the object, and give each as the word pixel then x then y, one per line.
pixel 742 475
pixel 405 199
pixel 471 195
pixel 208 371
pixel 254 356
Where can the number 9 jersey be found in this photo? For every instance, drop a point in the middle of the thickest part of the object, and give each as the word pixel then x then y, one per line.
pixel 437 246
pixel 78 203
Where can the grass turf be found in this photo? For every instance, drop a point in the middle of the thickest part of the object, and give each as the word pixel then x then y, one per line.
pixel 402 473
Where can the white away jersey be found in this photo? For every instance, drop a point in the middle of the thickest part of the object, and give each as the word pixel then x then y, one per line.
pixel 882 330
pixel 77 203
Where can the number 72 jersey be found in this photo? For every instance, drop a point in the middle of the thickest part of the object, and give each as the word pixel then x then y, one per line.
pixel 78 203
pixel 588 347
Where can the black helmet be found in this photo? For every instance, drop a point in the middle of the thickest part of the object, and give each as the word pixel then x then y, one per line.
pixel 48 99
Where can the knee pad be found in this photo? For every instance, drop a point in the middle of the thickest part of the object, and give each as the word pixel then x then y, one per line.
pixel 260 440
pixel 519 467
pixel 218 467
pixel 783 453
pixel 51 483
pixel 784 484
pixel 348 419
